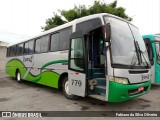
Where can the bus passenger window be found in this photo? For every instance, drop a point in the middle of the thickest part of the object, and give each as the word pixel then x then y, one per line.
pixel 64 39
pixel 31 47
pixel 13 51
pixel 38 46
pixel 54 42
pixel 8 52
pixel 44 43
pixel 158 52
pixel 77 55
pixel 26 48
pixel 19 49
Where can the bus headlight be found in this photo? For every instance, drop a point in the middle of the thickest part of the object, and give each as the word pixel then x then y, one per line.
pixel 119 80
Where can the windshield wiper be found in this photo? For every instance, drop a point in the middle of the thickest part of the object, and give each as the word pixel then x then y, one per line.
pixel 140 53
pixel 136 56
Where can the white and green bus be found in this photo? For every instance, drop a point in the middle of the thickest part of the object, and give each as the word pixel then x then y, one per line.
pixel 101 56
pixel 152 43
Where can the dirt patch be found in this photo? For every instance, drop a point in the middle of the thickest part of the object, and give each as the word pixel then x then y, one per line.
pixel 4 99
pixel 102 103
pixel 143 100
pixel 83 108
pixel 93 103
pixel 144 106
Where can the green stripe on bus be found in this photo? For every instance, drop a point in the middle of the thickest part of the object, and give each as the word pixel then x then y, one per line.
pixel 43 78
pixel 47 64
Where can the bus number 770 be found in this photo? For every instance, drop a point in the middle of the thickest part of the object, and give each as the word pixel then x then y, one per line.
pixel 77 83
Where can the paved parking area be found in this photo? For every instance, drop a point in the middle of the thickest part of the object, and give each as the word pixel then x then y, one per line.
pixel 33 97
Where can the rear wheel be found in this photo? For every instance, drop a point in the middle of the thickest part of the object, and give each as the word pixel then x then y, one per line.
pixel 65 88
pixel 18 77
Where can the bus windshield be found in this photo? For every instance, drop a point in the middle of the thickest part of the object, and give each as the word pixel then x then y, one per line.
pixel 157 43
pixel 127 45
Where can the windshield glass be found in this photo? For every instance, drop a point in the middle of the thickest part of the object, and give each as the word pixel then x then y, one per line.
pixel 143 51
pixel 127 46
pixel 157 48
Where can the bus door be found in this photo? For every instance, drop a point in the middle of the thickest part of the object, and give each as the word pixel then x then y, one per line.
pixel 77 65
pixel 157 63
pixel 149 47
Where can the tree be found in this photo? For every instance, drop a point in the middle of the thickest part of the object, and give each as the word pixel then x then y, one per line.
pixel 52 22
pixel 82 10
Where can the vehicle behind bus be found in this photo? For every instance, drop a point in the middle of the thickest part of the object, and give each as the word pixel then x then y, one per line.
pixel 101 56
pixel 152 43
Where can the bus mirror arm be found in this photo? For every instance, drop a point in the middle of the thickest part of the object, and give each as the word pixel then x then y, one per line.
pixel 107 32
pixel 108 44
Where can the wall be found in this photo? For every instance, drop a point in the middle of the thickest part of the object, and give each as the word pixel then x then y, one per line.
pixel 3 50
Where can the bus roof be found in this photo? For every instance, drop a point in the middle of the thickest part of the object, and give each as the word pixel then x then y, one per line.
pixel 100 15
pixel 157 35
pixel 151 36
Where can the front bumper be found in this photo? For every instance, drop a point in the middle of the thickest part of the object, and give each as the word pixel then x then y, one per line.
pixel 121 92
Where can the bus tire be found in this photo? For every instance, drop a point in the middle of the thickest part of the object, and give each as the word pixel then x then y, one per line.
pixel 18 76
pixel 65 86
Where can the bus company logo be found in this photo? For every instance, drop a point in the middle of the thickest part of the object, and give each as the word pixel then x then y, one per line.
pixel 6 114
pixel 29 59
pixel 21 114
pixel 145 77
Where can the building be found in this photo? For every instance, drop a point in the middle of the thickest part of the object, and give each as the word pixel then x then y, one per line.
pixel 3 49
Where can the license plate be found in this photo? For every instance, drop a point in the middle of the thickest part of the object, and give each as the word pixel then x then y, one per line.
pixel 140 89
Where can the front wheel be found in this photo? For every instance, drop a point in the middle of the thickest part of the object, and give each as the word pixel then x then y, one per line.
pixel 18 77
pixel 65 88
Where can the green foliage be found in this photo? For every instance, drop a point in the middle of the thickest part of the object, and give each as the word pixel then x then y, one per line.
pixel 53 22
pixel 82 10
pixel 76 12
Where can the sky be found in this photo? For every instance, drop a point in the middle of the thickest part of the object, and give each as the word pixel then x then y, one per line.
pixel 23 18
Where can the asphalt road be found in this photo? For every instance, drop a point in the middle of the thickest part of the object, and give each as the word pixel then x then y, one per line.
pixel 27 96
